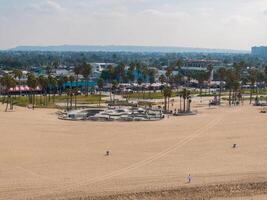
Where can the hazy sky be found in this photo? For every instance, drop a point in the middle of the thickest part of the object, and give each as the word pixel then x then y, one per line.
pixel 232 24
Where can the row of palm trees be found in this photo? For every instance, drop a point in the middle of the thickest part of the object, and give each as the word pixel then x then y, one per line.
pixel 185 99
pixel 233 78
pixel 237 76
pixel 9 81
pixel 136 72
pixel 50 86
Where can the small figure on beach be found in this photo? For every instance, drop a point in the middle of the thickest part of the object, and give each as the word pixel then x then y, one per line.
pixel 107 153
pixel 234 146
pixel 189 178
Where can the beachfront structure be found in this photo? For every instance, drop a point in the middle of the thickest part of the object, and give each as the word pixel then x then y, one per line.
pixel 80 84
pixel 97 68
pixel 193 64
pixel 111 114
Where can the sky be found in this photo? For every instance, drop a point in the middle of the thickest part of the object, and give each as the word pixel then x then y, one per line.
pixel 220 24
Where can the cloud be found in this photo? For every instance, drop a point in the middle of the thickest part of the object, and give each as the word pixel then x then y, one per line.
pixel 237 20
pixel 44 7
pixel 165 14
pixel 151 22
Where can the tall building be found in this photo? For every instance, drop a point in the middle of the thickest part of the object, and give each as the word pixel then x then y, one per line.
pixel 259 51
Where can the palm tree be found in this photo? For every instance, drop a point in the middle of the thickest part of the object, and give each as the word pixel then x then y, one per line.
pixel 151 75
pixel 60 81
pixel 18 74
pixel 8 82
pixel 138 69
pixel 139 82
pixel 43 82
pixel 186 96
pixel 200 76
pixel 32 83
pixel 130 75
pixel 233 84
pixel 260 79
pixel 110 70
pixel 113 88
pixel 55 64
pixel 179 64
pixel 120 70
pixel 77 70
pixel 167 93
pixel 169 73
pixel 221 74
pixel 50 85
pixel 162 79
pixel 252 79
pixel 66 80
pixel 71 79
pixel 100 85
pixel 230 76
pixel 53 83
pixel 86 70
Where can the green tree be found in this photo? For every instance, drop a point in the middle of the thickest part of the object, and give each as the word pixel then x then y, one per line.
pixel 120 71
pixel 252 78
pixel 32 83
pixel 221 74
pixel 86 71
pixel 8 82
pixel 185 94
pixel 43 82
pixel 18 74
pixel 100 85
pixel 77 70
pixel 71 79
pixel 167 93
pixel 114 86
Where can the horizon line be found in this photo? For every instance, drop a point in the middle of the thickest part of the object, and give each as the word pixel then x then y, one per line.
pixel 126 45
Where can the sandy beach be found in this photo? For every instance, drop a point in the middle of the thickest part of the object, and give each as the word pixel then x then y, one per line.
pixel 42 157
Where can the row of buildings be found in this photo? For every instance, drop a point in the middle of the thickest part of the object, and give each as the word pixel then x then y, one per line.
pixel 97 69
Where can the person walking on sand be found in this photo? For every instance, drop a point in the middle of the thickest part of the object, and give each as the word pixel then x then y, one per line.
pixel 189 178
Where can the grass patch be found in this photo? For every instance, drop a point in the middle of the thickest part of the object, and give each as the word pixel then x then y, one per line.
pixel 147 95
pixel 44 101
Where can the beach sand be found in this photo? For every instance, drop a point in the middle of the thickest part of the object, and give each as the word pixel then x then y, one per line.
pixel 42 157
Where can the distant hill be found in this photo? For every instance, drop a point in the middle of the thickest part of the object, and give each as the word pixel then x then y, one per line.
pixel 118 48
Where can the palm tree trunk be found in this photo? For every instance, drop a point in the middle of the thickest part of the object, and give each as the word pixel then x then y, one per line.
pixel 49 96
pixel 71 97
pixel 184 104
pixel 250 98
pixel 180 103
pixel 7 104
pixel 11 103
pixel 33 101
pixel 87 86
pixel 75 99
pixel 230 94
pixel 67 101
pixel 168 103
pixel 99 98
pixel 165 103
pixel 220 92
pixel 110 95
